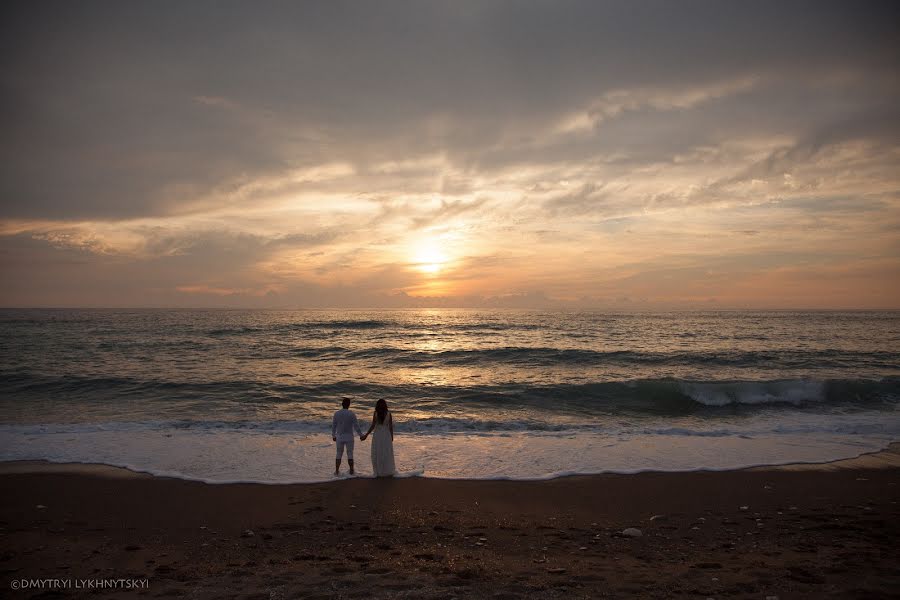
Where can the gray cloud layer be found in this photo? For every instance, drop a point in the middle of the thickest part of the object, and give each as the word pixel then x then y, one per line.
pixel 114 110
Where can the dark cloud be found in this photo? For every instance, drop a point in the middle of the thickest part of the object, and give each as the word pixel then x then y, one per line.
pixel 114 110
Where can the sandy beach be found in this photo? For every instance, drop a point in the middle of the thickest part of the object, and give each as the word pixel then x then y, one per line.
pixel 790 532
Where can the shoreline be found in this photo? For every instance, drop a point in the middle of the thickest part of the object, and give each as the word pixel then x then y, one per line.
pixel 887 458
pixel 796 532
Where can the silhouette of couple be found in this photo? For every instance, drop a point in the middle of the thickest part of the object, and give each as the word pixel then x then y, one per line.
pixel 344 423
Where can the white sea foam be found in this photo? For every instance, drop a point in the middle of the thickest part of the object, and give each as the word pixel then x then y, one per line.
pixel 725 393
pixel 223 454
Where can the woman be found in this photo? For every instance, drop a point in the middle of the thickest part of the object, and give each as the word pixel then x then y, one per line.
pixel 383 442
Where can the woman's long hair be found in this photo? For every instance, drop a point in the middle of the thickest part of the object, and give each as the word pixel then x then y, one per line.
pixel 381 410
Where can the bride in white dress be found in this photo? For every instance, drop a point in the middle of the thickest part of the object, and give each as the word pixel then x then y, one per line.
pixel 383 441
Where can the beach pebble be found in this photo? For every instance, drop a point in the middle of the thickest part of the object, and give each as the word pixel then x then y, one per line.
pixel 39 506
pixel 745 508
pixel 248 533
pixel 632 532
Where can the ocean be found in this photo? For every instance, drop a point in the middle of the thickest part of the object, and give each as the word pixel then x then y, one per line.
pixel 231 395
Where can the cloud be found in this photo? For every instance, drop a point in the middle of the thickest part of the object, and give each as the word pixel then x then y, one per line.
pixel 147 116
pixel 236 152
pixel 448 210
pixel 615 103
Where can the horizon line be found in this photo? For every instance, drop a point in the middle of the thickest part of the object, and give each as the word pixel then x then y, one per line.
pixel 413 308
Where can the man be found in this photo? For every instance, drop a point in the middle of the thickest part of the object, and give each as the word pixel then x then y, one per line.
pixel 342 426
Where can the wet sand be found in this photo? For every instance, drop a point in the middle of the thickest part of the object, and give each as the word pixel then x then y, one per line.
pixel 808 531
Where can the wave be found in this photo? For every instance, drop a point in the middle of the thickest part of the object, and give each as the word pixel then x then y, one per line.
pixel 744 392
pixel 674 397
pixel 399 328
pixel 467 426
pixel 556 357
pixel 325 326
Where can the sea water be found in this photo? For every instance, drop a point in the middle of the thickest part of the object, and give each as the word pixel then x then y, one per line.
pixel 225 395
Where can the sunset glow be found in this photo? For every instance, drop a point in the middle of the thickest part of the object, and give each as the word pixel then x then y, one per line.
pixel 532 166
pixel 429 257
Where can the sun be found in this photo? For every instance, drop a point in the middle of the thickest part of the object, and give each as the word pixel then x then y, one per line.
pixel 428 256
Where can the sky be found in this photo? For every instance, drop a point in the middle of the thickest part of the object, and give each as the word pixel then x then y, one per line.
pixel 535 154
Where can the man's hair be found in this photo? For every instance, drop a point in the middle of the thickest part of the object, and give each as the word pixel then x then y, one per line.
pixel 345 402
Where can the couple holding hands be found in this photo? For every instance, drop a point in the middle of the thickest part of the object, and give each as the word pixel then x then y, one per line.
pixel 342 427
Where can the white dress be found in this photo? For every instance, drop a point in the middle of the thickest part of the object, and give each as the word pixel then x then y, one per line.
pixel 383 449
